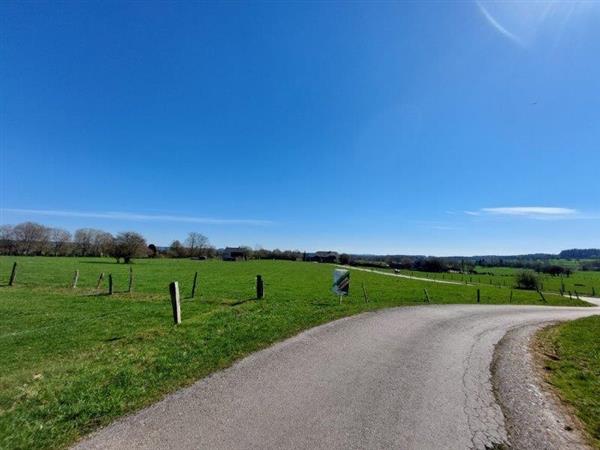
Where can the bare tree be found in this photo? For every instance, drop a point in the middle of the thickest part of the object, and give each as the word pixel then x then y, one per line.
pixel 31 238
pixel 177 250
pixel 248 252
pixel 129 245
pixel 92 242
pixel 196 243
pixel 103 243
pixel 59 241
pixel 83 240
pixel 7 240
pixel 210 251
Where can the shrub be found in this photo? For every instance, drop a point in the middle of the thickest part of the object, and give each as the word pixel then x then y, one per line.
pixel 345 258
pixel 527 280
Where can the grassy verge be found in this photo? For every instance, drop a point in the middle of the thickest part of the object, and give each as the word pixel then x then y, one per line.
pixel 75 359
pixel 572 362
pixel 579 283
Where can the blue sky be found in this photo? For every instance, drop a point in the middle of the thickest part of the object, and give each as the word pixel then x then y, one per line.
pixel 415 127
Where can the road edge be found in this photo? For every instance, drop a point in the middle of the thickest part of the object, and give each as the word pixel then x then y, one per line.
pixel 535 417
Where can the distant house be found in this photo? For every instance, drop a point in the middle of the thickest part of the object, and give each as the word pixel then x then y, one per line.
pixel 234 254
pixel 322 257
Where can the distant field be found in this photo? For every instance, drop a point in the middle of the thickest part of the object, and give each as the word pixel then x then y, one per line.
pixel 75 359
pixel 579 283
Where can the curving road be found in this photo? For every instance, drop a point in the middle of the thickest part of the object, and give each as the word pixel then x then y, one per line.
pixel 408 378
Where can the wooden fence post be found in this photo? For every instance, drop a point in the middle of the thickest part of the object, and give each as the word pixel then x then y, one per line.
pixel 130 287
pixel 426 296
pixel 100 278
pixel 478 296
pixel 194 285
pixel 365 293
pixel 75 279
pixel 174 291
pixel 13 275
pixel 511 296
pixel 542 296
pixel 110 284
pixel 260 289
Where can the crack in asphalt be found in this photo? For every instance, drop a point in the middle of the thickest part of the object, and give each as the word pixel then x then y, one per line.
pixel 485 419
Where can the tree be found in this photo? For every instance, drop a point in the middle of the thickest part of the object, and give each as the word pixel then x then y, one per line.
pixel 405 263
pixel 31 238
pixel 128 245
pixel 102 243
pixel 92 242
pixel 83 240
pixel 196 243
pixel 60 240
pixel 210 251
pixel 177 250
pixel 248 252
pixel 344 258
pixel 152 251
pixel 430 265
pixel 527 280
pixel 7 240
pixel 261 253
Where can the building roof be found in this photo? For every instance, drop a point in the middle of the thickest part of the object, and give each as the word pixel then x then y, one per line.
pixel 324 254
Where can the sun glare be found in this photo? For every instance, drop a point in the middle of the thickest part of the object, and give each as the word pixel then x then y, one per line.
pixel 523 22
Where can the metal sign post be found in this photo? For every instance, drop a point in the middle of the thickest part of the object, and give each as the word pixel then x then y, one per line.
pixel 341 282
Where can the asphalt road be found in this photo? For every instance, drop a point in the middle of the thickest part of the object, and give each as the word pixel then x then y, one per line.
pixel 409 378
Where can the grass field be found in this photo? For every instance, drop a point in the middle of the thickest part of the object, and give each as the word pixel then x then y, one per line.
pixel 75 359
pixel 574 368
pixel 579 283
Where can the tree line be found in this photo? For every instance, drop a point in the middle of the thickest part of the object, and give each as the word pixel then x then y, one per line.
pixel 34 239
pixel 580 253
pixel 419 263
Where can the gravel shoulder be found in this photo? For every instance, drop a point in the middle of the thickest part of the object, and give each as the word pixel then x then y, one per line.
pixel 534 416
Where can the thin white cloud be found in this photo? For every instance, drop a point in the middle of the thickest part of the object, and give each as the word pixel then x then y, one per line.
pixel 137 217
pixel 532 212
pixel 513 37
pixel 444 228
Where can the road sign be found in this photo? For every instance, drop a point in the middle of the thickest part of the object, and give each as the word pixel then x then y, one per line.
pixel 341 282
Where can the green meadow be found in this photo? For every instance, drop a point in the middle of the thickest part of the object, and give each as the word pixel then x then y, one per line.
pixel 583 283
pixel 74 359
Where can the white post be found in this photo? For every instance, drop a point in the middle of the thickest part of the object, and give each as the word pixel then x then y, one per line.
pixel 75 279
